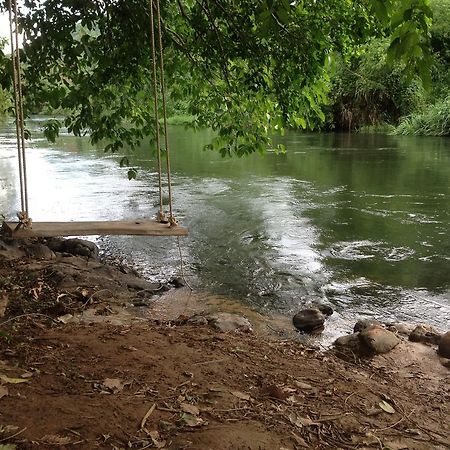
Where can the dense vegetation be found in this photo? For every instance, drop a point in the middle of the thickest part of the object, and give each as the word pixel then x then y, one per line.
pixel 368 90
pixel 247 69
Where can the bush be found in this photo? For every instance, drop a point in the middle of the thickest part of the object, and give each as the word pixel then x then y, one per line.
pixel 370 92
pixel 432 121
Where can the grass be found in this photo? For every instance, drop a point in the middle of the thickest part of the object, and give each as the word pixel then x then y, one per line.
pixel 432 121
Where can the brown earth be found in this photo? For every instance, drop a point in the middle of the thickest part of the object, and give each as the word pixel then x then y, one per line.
pixel 139 383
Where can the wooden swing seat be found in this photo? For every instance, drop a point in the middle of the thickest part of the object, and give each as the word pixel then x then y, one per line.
pixel 116 228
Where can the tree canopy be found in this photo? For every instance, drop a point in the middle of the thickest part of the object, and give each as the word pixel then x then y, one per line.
pixel 246 68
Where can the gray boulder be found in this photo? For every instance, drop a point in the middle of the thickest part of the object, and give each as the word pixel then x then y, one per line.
pixel 444 345
pixel 363 324
pixel 378 339
pixel 326 310
pixel 40 251
pixel 76 247
pixel 425 334
pixel 229 322
pixel 349 341
pixel 309 320
pixel 404 329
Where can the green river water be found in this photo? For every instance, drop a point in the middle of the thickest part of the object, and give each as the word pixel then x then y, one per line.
pixel 358 221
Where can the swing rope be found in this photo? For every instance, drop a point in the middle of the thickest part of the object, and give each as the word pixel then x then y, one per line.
pixel 23 216
pixel 161 217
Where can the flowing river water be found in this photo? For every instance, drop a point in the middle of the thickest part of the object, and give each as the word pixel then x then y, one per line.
pixel 361 222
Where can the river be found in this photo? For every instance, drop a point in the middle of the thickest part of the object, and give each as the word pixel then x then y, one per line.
pixel 358 221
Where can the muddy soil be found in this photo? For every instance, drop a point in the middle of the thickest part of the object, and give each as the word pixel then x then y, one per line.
pixel 142 383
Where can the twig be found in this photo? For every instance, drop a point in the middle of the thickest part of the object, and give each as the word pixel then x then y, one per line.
pixel 147 415
pixel 209 362
pixel 26 315
pixel 13 436
pixel 182 266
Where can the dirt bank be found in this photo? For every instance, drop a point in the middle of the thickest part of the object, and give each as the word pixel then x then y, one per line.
pixel 69 382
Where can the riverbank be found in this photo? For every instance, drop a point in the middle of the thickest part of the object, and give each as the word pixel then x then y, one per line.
pixel 82 368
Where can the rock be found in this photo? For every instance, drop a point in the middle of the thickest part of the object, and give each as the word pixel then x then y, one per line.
pixel 401 328
pixel 445 362
pixel 363 324
pixel 197 320
pixel 309 320
pixel 138 284
pixel 177 282
pixel 425 334
pixel 40 251
pixel 350 341
pixel 76 247
pixel 378 340
pixel 444 345
pixel 229 322
pixel 327 310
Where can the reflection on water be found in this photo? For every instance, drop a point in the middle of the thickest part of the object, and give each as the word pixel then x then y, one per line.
pixel 356 220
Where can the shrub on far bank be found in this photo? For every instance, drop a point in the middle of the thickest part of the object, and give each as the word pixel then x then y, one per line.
pixel 434 120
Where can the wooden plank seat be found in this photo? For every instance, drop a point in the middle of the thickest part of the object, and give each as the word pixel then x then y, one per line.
pixel 122 227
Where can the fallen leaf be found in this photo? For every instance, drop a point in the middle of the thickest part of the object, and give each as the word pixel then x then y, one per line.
pixel 157 442
pixel 301 421
pixel 26 375
pixel 6 379
pixel 8 429
pixel 115 385
pixel 65 319
pixel 303 386
pixel 241 395
pixel 8 447
pixel 3 391
pixel 191 421
pixel 385 406
pixel 54 439
pixel 191 409
pixel 3 304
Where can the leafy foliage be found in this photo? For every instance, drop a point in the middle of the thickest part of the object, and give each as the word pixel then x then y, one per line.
pixel 432 121
pixel 370 91
pixel 246 69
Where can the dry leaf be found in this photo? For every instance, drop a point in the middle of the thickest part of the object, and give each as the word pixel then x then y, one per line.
pixel 191 421
pixel 115 385
pixel 303 386
pixel 54 439
pixel 65 319
pixel 191 409
pixel 385 406
pixel 156 439
pixel 301 421
pixel 3 304
pixel 242 396
pixel 27 375
pixel 3 391
pixel 6 379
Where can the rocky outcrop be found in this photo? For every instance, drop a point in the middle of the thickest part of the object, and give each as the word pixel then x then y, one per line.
pixel 76 247
pixel 40 251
